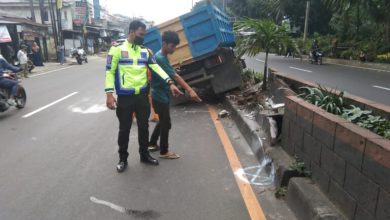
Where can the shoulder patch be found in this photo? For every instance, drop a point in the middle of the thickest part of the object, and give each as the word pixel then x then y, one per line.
pixel 124 54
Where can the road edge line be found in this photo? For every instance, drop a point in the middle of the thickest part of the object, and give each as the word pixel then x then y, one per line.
pixel 252 204
pixel 49 71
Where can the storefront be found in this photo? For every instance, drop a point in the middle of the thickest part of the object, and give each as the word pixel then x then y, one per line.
pixel 8 40
pixel 25 31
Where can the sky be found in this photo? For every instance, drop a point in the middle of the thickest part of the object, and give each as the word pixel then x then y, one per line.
pixel 158 11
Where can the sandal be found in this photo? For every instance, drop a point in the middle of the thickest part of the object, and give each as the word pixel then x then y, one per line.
pixel 169 155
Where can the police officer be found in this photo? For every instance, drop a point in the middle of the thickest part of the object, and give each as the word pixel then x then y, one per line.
pixel 126 74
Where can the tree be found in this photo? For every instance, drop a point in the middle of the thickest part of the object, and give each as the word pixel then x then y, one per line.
pixel 264 35
pixel 248 8
pixel 276 9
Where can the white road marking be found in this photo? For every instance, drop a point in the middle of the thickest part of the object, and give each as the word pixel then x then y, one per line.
pixel 309 71
pixel 259 178
pixel 51 71
pixel 97 108
pixel 380 87
pixel 260 60
pixel 47 106
pixel 109 204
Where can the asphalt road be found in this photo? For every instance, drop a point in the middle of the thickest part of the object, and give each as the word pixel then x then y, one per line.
pixel 367 83
pixel 58 157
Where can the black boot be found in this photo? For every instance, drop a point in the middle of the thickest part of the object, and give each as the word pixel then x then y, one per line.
pixel 122 165
pixel 149 160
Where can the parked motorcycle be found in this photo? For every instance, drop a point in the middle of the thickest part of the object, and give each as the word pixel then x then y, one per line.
pixel 20 99
pixel 313 59
pixel 79 54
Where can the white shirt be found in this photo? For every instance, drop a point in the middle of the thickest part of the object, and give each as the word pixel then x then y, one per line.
pixel 22 57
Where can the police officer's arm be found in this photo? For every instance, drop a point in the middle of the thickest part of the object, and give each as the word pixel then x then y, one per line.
pixel 161 73
pixel 111 65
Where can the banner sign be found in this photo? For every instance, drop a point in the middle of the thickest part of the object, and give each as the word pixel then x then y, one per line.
pixel 4 34
pixel 80 12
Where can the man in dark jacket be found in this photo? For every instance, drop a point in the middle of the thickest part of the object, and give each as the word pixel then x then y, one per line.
pixel 10 85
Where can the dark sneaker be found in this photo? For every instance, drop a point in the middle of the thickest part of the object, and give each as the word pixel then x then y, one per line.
pixel 122 165
pixel 153 147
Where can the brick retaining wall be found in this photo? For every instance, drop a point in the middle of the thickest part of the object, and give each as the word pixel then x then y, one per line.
pixel 349 163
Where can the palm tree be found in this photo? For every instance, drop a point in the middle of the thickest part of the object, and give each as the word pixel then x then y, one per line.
pixel 264 35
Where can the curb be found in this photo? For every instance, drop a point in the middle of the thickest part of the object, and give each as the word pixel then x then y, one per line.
pixel 307 202
pixel 304 198
pixel 259 142
pixel 354 63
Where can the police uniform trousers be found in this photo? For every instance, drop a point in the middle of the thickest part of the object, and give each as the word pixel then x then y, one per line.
pixel 126 106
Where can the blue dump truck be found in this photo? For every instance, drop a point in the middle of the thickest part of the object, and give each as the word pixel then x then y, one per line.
pixel 205 55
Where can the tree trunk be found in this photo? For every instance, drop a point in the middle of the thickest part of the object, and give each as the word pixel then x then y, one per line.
pixel 387 32
pixel 265 75
pixel 358 21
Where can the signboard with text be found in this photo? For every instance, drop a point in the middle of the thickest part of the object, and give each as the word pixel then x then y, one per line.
pixel 4 34
pixel 80 12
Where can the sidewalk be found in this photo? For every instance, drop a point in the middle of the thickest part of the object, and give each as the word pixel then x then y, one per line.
pixel 49 66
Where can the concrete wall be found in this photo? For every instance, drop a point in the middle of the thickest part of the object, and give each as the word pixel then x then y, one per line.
pixel 350 164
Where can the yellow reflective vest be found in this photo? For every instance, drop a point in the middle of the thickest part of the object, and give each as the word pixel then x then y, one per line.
pixel 126 69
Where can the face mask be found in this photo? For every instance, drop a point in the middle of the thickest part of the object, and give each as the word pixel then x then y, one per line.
pixel 138 40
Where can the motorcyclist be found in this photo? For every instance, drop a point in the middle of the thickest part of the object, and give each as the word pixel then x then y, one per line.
pixel 10 85
pixel 314 49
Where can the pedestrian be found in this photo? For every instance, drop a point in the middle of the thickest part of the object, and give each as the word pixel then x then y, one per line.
pixel 161 97
pixel 127 75
pixel 23 59
pixel 37 60
pixel 61 53
pixel 11 53
pixel 362 56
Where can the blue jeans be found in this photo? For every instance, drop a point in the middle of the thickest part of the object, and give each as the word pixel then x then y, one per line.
pixel 10 85
pixel 61 56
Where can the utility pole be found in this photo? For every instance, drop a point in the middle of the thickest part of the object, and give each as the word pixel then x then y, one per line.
pixel 84 31
pixel 53 23
pixel 42 11
pixel 32 10
pixel 224 5
pixel 306 20
pixel 59 18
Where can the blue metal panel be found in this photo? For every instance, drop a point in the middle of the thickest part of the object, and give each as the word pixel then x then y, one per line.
pixel 206 29
pixel 153 39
